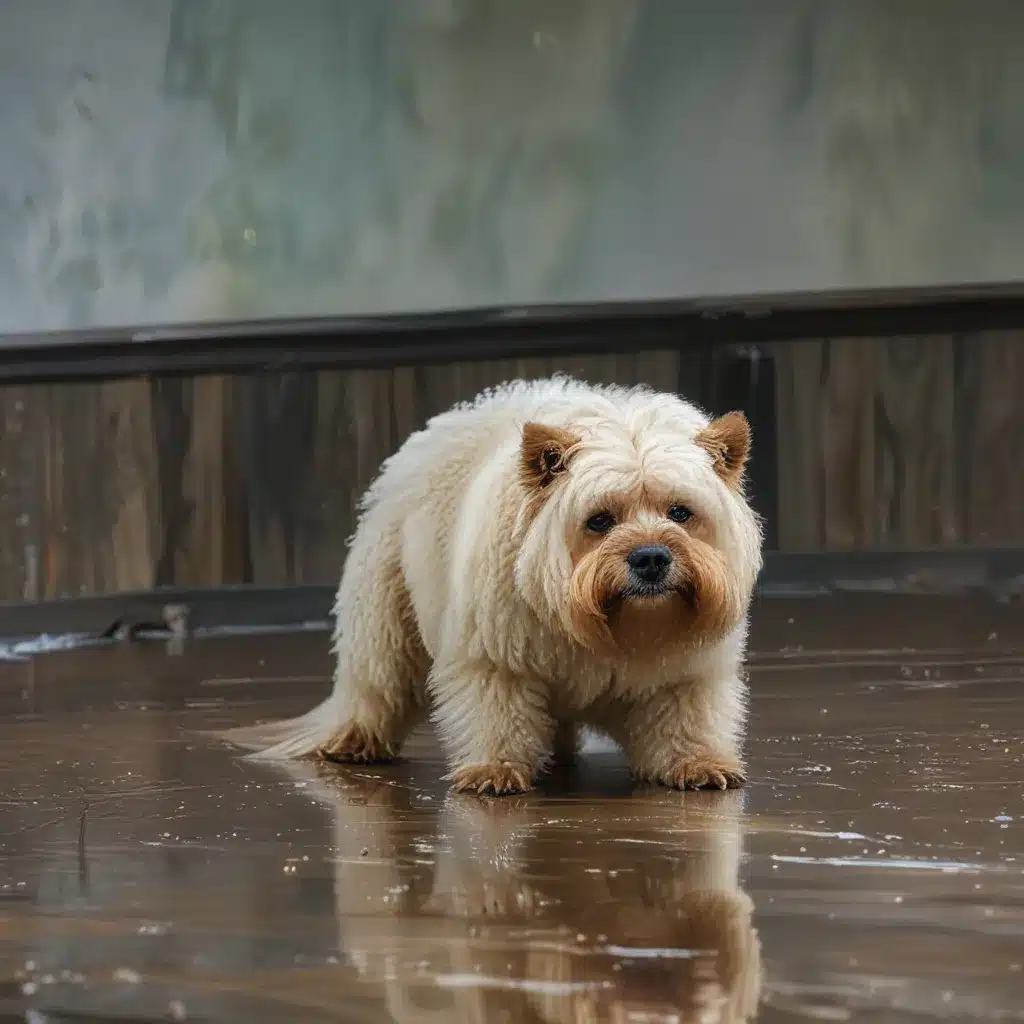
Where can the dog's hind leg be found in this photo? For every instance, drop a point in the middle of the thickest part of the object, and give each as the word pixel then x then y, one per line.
pixel 380 676
pixel 379 693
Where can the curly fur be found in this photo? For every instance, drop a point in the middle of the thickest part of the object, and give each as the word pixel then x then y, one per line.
pixel 474 589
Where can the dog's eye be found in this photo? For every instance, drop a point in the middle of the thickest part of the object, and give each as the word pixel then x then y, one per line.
pixel 602 522
pixel 679 514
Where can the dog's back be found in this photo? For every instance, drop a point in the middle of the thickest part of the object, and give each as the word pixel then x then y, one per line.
pixel 441 458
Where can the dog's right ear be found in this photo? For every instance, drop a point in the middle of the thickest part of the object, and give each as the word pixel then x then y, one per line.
pixel 544 454
pixel 727 441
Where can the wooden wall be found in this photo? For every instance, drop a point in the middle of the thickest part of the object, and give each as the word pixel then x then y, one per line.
pixel 132 484
pixel 900 442
pixel 895 442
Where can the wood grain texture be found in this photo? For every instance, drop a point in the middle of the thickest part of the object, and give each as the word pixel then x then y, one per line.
pixel 201 541
pixel 846 439
pixel 867 443
pixel 800 461
pixel 96 513
pixel 19 497
pixel 881 442
pixel 129 522
pixel 915 441
pixel 307 445
pixel 274 435
pixel 991 437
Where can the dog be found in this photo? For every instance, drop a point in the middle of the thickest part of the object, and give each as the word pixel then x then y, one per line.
pixel 551 556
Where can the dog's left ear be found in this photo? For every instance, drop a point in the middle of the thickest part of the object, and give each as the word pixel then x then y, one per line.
pixel 544 454
pixel 727 440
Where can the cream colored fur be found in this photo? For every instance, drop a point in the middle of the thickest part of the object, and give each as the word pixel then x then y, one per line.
pixel 456 597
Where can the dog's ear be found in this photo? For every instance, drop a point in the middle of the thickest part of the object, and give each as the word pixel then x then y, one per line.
pixel 544 454
pixel 727 440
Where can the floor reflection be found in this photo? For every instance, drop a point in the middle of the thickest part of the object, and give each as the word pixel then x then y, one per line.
pixel 543 909
pixel 872 871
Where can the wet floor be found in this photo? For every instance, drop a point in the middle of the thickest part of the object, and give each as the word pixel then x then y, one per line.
pixel 871 872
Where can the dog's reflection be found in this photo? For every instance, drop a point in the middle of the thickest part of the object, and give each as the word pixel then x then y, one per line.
pixel 536 909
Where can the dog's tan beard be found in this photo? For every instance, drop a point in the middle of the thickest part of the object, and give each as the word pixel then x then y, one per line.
pixel 611 613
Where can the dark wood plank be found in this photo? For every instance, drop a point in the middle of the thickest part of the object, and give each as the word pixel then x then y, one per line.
pixel 799 373
pixel 601 369
pixel 991 429
pixel 98 514
pixel 274 432
pixel 848 442
pixel 127 478
pixel 203 535
pixel 866 443
pixel 915 450
pixel 369 397
pixel 742 378
pixel 19 496
pixel 409 412
pixel 309 445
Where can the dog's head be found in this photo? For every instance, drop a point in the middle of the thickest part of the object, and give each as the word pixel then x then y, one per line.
pixel 635 532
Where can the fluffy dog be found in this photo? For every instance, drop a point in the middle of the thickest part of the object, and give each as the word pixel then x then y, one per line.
pixel 549 556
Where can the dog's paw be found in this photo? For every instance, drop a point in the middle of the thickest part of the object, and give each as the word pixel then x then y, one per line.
pixel 502 778
pixel 705 771
pixel 353 744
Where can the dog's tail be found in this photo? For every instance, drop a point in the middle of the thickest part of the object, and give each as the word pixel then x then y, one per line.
pixel 288 739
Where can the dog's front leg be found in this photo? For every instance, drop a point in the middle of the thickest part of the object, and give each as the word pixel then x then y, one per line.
pixel 687 736
pixel 494 725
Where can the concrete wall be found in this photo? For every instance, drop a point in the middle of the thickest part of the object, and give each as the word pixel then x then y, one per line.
pixel 180 159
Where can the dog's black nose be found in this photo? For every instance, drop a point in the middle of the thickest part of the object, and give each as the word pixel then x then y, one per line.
pixel 650 563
